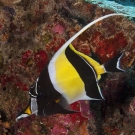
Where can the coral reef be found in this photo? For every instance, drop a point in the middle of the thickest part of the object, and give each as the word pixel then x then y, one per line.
pixel 4 124
pixel 30 34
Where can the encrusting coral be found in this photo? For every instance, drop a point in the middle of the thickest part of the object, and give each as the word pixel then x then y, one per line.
pixel 30 34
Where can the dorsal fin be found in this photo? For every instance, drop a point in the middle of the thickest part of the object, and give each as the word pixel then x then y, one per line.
pixel 80 32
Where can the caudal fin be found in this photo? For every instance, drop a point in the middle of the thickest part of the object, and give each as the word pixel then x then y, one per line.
pixel 113 65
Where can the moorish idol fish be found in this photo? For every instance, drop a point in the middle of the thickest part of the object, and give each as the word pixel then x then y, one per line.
pixel 69 76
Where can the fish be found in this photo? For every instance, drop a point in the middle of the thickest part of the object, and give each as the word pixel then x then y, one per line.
pixel 68 77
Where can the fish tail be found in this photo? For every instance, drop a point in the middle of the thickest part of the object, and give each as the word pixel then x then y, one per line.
pixel 113 65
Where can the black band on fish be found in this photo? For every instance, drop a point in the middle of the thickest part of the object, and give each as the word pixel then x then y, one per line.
pixel 85 72
pixel 48 93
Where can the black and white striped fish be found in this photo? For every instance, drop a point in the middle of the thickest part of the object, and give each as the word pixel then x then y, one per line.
pixel 70 76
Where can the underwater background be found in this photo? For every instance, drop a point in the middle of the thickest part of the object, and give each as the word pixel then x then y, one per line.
pixel 31 31
pixel 119 6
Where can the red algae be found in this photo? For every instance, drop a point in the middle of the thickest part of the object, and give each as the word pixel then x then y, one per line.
pixel 25 56
pixel 4 79
pixel 108 48
pixel 41 59
pixel 84 48
pixel 55 44
pixel 58 130
pixel 77 117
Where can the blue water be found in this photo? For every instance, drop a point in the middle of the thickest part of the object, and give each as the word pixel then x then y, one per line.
pixel 119 6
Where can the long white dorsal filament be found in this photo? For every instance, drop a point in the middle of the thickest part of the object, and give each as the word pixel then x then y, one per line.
pixel 82 30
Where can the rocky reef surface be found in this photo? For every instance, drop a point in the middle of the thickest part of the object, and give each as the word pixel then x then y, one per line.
pixel 31 31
